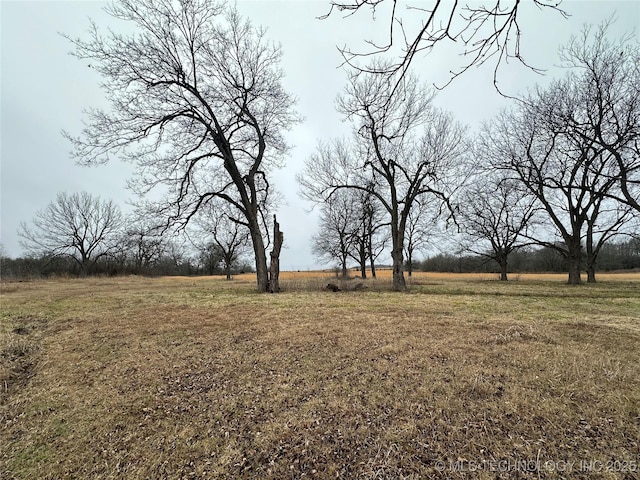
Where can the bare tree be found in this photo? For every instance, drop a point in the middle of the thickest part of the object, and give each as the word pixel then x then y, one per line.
pixel 485 32
pixel 568 172
pixel 336 239
pixel 196 103
pixel 496 214
pixel 421 228
pixel 211 258
pixel 408 149
pixel 352 220
pixel 80 226
pixel 218 229
pixel 604 77
pixel 143 244
pixel 176 258
pixel 370 236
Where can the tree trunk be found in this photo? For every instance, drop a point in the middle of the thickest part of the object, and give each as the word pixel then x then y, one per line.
pixel 397 252
pixel 574 259
pixel 409 261
pixel 228 260
pixel 574 271
pixel 83 263
pixel 363 260
pixel 278 238
pixel 503 269
pixel 262 274
pixel 574 275
pixel 399 284
pixel 591 255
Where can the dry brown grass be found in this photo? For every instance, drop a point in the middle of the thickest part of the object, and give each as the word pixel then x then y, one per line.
pixel 203 378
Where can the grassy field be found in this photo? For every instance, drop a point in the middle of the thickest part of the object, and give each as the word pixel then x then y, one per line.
pixel 460 377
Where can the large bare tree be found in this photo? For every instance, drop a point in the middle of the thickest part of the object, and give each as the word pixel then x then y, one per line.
pixel 568 172
pixel 484 32
pixel 604 77
pixel 408 149
pixel 496 214
pixel 78 225
pixel 196 103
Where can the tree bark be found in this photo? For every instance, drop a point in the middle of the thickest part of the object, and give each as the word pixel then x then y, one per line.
pixel 591 255
pixel 371 258
pixel 503 269
pixel 397 252
pixel 574 269
pixel 397 249
pixel 399 283
pixel 228 260
pixel 574 259
pixel 278 238
pixel 363 260
pixel 574 274
pixel 373 265
pixel 262 274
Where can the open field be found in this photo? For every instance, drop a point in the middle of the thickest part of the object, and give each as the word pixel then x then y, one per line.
pixel 461 377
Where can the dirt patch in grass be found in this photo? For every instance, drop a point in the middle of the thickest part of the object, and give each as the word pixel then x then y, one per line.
pixel 180 378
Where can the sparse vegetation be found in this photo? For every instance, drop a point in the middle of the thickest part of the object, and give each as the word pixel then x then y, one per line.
pixel 202 378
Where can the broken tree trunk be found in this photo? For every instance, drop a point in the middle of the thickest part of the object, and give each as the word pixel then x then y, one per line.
pixel 278 238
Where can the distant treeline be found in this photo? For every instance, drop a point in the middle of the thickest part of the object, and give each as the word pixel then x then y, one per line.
pixel 42 267
pixel 613 256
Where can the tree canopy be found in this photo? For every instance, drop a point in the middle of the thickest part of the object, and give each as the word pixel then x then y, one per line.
pixel 196 103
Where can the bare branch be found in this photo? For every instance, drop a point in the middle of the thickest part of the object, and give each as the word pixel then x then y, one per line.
pixel 483 32
pixel 196 103
pixel 80 226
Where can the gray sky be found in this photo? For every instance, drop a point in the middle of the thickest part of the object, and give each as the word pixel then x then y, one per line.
pixel 44 90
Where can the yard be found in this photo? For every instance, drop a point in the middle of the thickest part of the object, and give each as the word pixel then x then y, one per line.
pixel 460 377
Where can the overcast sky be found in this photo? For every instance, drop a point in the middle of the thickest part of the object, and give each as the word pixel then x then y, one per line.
pixel 44 90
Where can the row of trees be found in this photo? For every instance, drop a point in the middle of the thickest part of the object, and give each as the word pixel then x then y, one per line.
pixel 403 151
pixel 81 233
pixel 196 103
pixel 572 148
pixel 175 261
pixel 622 255
pixel 560 169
